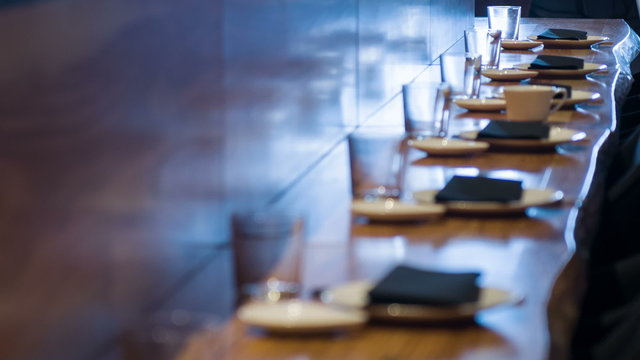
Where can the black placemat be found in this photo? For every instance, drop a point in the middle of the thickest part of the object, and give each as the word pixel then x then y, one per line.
pixel 563 34
pixel 466 188
pixel 499 129
pixel 407 285
pixel 556 62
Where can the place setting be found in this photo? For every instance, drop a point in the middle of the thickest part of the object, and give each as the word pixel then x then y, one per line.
pixel 574 97
pixel 479 195
pixel 560 66
pixel 426 119
pixel 528 109
pixel 567 39
pixel 412 295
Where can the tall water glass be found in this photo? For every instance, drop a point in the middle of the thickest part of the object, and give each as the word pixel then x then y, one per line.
pixel 377 159
pixel 485 43
pixel 426 108
pixel 462 72
pixel 506 19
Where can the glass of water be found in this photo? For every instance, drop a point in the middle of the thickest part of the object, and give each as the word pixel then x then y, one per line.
pixel 506 19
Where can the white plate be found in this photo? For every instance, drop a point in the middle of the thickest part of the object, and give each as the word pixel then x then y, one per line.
pixel 300 317
pixel 449 147
pixel 570 44
pixel 530 197
pixel 579 96
pixel 355 295
pixel 509 74
pixel 588 68
pixel 519 44
pixel 396 210
pixel 481 104
pixel 557 135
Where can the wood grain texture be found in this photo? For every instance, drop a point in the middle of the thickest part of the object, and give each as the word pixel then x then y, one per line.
pixel 130 130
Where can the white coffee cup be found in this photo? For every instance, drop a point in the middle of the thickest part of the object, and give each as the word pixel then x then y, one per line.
pixel 532 102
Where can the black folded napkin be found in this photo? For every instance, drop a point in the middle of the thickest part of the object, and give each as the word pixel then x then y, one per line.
pixel 499 129
pixel 406 285
pixel 563 34
pixel 464 188
pixel 556 62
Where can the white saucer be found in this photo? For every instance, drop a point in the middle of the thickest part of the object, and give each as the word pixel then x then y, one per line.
pixel 355 295
pixel 557 135
pixel 570 44
pixel 449 147
pixel 578 97
pixel 396 210
pixel 509 74
pixel 588 68
pixel 481 104
pixel 519 44
pixel 530 197
pixel 300 317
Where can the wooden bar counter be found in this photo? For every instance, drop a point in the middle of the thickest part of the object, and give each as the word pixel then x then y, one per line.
pixel 540 256
pixel 129 131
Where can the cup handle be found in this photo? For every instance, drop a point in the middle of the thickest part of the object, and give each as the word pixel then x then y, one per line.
pixel 561 101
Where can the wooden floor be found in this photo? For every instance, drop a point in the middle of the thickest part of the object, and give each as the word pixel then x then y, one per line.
pixel 130 130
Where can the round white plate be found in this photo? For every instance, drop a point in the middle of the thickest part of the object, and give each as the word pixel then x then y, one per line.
pixel 509 74
pixel 579 96
pixel 481 104
pixel 355 295
pixel 557 135
pixel 530 197
pixel 570 44
pixel 519 44
pixel 396 210
pixel 449 147
pixel 588 68
pixel 300 317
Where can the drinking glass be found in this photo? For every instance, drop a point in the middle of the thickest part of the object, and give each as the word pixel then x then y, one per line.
pixel 377 160
pixel 267 248
pixel 462 72
pixel 485 43
pixel 426 108
pixel 506 19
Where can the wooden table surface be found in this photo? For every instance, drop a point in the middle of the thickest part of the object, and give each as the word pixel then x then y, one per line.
pixel 127 138
pixel 540 255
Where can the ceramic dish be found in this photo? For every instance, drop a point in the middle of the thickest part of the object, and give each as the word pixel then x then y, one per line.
pixel 578 97
pixel 396 210
pixel 588 68
pixel 449 147
pixel 355 295
pixel 509 74
pixel 570 44
pixel 519 44
pixel 481 104
pixel 300 317
pixel 530 197
pixel 557 135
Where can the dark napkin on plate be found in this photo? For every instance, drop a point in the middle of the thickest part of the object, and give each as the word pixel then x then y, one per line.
pixel 549 62
pixel 499 129
pixel 563 34
pixel 465 188
pixel 406 285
